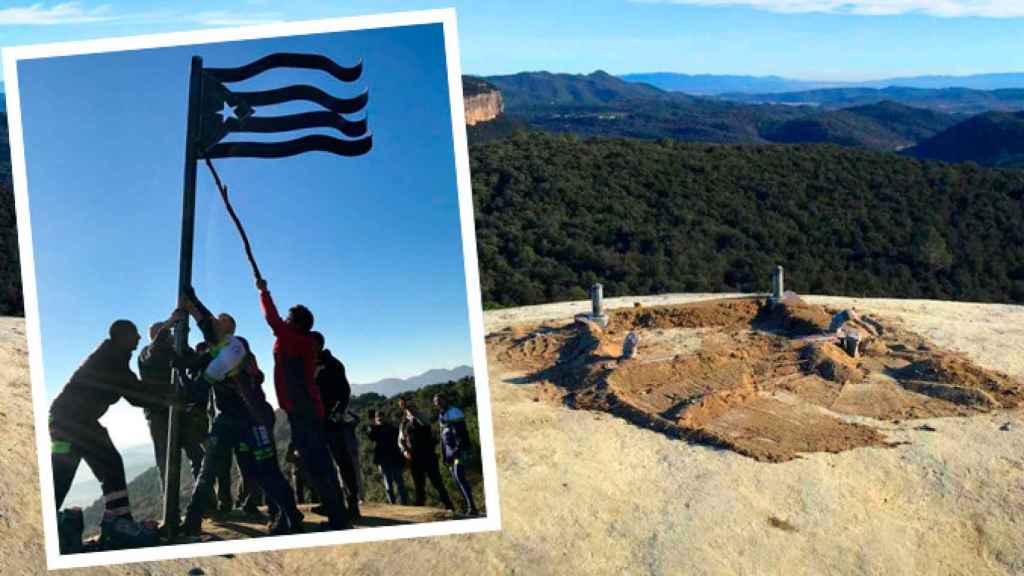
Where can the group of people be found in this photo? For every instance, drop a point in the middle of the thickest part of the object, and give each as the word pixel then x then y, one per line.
pixel 414 442
pixel 311 389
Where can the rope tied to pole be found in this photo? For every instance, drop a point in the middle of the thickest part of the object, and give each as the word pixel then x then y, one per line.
pixel 238 223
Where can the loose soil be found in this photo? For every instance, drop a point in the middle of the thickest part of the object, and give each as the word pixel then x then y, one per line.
pixel 769 382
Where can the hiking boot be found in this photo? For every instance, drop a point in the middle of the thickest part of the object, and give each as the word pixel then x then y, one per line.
pixel 280 527
pixel 328 526
pixel 353 509
pixel 70 524
pixel 272 520
pixel 191 529
pixel 122 532
pixel 291 523
pixel 339 523
pixel 297 523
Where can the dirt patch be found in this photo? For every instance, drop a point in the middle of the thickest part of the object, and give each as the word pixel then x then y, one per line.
pixel 980 386
pixel 711 313
pixel 530 350
pixel 663 386
pixel 713 406
pixel 800 319
pixel 769 382
pixel 831 362
pixel 771 430
pixel 884 398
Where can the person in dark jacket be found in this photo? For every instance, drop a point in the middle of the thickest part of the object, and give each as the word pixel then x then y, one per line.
pixel 75 431
pixel 350 429
pixel 419 447
pixel 222 500
pixel 244 421
pixel 335 393
pixel 300 479
pixel 155 363
pixel 299 397
pixel 386 456
pixel 250 497
pixel 456 447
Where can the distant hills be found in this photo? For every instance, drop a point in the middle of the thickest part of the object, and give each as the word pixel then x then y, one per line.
pixel 712 84
pixel 903 119
pixel 391 386
pixel 990 139
pixel 914 124
pixel 600 104
pixel 528 89
pixel 137 459
pixel 883 126
pixel 963 101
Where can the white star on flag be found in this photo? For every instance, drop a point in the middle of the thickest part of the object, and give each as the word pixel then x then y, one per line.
pixel 227 111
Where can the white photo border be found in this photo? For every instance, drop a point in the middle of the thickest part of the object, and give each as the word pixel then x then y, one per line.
pixel 447 18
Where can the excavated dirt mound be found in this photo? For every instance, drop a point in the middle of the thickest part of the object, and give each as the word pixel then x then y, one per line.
pixel 769 382
pixel 799 319
pixel 832 363
pixel 987 387
pixel 776 429
pixel 531 350
pixel 712 313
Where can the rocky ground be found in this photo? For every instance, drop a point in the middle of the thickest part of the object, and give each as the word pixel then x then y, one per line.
pixel 589 492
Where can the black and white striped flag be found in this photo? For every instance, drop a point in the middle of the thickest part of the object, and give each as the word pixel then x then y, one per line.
pixel 225 112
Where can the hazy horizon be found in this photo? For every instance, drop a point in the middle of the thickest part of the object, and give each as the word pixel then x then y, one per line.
pixel 815 40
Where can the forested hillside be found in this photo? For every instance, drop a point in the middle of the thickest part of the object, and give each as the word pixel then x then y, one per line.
pixel 598 104
pixel 558 213
pixel 990 139
pixel 11 303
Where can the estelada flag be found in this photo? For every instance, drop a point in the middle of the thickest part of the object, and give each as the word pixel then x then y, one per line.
pixel 225 112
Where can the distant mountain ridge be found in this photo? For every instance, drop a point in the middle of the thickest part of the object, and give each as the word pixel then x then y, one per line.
pixel 391 386
pixel 547 89
pixel 963 101
pixel 990 139
pixel 714 84
pixel 600 104
pixel 884 126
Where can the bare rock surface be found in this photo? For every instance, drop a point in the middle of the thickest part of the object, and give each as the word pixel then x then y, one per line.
pixel 587 492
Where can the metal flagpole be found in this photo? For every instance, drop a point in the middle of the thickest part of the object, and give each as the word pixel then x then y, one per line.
pixel 188 212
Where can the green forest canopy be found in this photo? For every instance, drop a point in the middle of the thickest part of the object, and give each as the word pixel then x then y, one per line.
pixel 556 213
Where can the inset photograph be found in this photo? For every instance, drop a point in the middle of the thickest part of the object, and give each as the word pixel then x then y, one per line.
pixel 252 299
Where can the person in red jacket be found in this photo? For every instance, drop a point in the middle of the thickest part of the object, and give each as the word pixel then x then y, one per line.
pixel 295 360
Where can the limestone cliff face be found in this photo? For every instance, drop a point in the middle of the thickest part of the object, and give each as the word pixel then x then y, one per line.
pixel 483 106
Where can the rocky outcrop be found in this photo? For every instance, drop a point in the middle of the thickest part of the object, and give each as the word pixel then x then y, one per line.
pixel 482 100
pixel 483 107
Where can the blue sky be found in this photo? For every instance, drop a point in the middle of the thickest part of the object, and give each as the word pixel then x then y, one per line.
pixel 810 39
pixel 371 244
